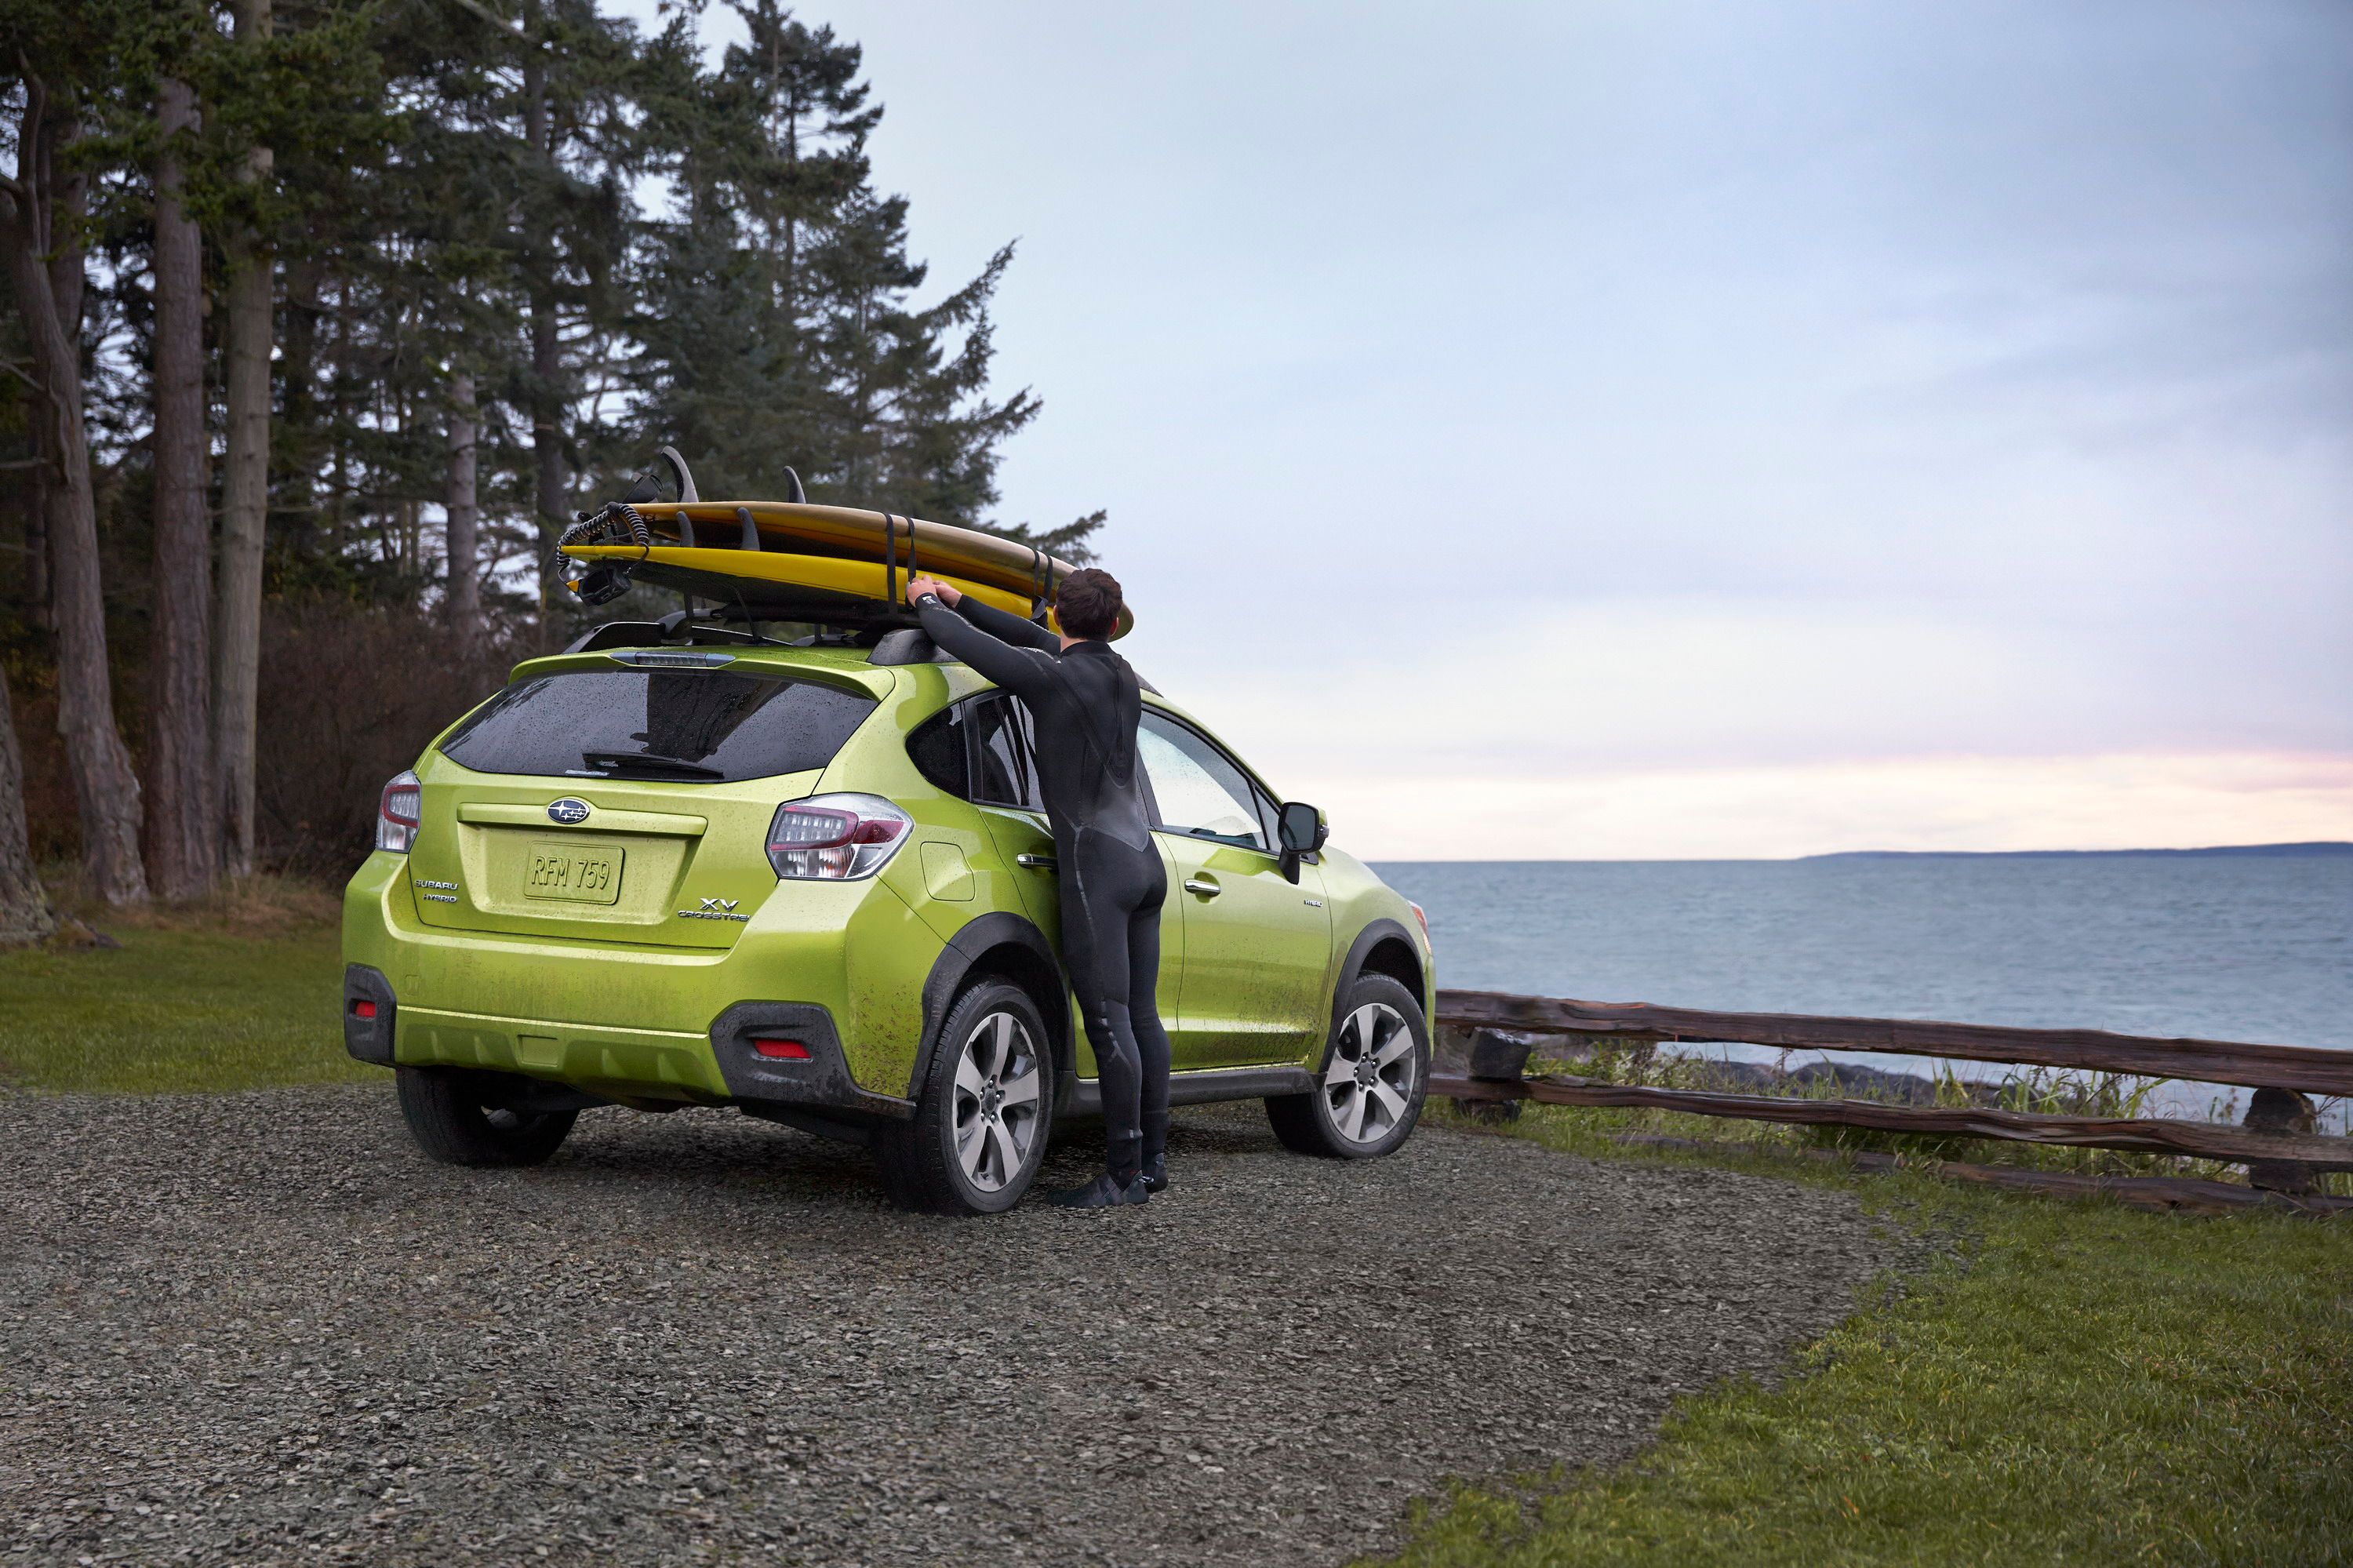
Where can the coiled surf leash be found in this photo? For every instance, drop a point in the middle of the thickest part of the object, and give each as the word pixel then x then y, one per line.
pixel 615 522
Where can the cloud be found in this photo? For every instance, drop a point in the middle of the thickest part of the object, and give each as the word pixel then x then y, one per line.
pixel 1743 405
pixel 1630 812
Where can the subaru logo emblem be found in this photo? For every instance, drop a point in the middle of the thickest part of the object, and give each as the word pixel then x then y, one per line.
pixel 568 810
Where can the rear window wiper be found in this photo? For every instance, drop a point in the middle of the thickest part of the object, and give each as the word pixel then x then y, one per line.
pixel 649 762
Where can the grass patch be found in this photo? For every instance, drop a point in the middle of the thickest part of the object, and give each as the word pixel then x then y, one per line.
pixel 258 906
pixel 2084 1384
pixel 239 992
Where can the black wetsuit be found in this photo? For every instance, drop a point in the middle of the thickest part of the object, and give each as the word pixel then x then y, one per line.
pixel 1085 703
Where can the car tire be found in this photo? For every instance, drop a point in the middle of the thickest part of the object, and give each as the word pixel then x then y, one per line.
pixel 1365 1103
pixel 456 1117
pixel 986 1112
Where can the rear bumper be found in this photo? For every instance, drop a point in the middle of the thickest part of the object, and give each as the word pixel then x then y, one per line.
pixel 821 1081
pixel 370 1012
pixel 723 1066
pixel 642 1025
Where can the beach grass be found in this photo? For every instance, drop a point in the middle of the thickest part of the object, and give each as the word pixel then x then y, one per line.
pixel 2071 1382
pixel 2049 1091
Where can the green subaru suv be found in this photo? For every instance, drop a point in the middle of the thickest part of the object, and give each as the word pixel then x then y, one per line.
pixel 815 882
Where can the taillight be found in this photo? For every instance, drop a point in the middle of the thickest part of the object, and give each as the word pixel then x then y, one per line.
pixel 1423 918
pixel 398 814
pixel 781 1050
pixel 834 838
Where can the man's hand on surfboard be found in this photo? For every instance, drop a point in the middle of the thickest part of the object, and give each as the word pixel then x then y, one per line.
pixel 918 587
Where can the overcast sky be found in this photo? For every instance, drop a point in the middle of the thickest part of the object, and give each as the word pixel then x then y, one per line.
pixel 1658 430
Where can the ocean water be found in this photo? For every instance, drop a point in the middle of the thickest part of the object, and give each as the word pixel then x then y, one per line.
pixel 2240 947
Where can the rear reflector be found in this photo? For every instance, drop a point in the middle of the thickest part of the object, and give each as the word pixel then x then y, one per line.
pixel 781 1050
pixel 362 1008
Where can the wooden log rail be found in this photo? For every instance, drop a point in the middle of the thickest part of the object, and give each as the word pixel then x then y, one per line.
pixel 2205 1141
pixel 2296 1067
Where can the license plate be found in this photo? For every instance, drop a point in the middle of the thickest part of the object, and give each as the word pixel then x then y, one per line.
pixel 574 874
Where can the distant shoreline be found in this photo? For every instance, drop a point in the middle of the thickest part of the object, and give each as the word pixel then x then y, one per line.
pixel 2320 849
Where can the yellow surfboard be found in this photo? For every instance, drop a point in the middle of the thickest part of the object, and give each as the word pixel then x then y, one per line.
pixel 795 561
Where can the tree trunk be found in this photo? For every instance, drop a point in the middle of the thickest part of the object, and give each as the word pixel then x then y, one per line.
pixel 46 270
pixel 183 808
pixel 244 504
pixel 547 445
pixel 56 132
pixel 297 446
pixel 464 551
pixel 37 485
pixel 547 352
pixel 25 912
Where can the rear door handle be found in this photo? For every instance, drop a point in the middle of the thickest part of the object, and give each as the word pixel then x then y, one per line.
pixel 1037 862
pixel 1206 886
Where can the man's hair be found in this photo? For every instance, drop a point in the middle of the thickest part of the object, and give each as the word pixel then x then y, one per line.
pixel 1088 604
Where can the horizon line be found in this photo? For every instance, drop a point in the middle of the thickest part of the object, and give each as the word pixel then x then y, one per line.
pixel 2314 849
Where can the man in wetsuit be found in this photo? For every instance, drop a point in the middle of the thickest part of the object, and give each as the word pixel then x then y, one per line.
pixel 1083 703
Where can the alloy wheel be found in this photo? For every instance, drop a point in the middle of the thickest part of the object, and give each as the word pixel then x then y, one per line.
pixel 997 1101
pixel 1369 1085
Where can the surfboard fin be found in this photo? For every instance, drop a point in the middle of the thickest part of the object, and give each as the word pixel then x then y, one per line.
pixel 649 485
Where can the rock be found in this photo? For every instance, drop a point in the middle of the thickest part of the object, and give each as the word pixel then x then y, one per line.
pixel 1855 1082
pixel 2281 1110
pixel 1738 1077
pixel 72 934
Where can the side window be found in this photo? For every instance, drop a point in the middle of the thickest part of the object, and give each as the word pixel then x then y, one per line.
pixel 1004 759
pixel 936 747
pixel 1196 788
pixel 979 750
pixel 1270 817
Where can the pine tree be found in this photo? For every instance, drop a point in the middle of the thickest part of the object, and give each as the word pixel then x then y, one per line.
pixel 60 54
pixel 760 154
pixel 571 228
pixel 777 323
pixel 246 336
pixel 916 430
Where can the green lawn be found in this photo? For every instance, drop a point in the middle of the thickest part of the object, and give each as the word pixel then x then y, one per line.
pixel 176 1011
pixel 2087 1383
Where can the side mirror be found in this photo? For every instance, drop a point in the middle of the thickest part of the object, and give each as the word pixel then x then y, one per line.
pixel 1302 832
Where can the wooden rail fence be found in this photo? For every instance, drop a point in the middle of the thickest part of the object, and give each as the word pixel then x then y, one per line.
pixel 2298 1067
pixel 2277 1143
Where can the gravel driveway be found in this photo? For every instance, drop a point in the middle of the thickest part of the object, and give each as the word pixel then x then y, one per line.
pixel 259 1329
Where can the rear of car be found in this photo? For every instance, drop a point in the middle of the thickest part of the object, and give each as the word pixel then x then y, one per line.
pixel 629 872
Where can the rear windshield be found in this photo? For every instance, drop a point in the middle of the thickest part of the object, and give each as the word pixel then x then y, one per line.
pixel 680 726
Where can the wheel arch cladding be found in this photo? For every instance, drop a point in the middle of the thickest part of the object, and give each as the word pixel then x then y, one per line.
pixel 1383 948
pixel 1005 944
